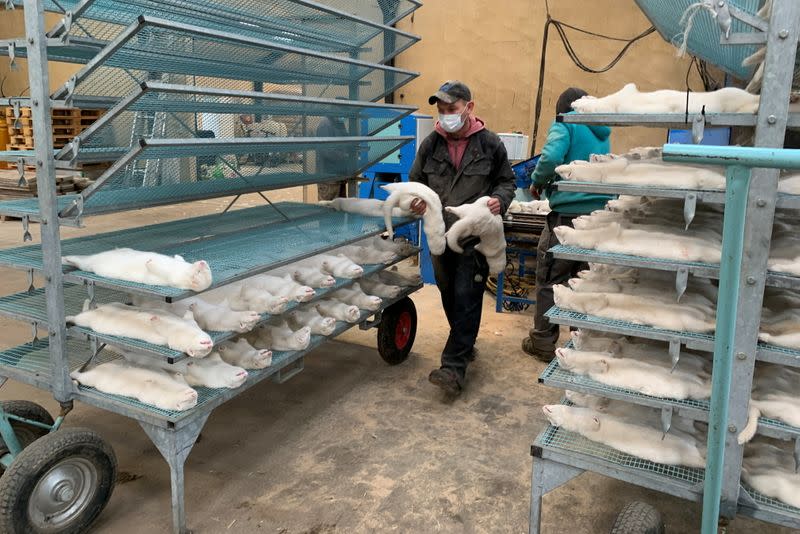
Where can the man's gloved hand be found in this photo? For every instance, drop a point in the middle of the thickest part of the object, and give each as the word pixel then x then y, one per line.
pixel 494 206
pixel 535 192
pixel 418 207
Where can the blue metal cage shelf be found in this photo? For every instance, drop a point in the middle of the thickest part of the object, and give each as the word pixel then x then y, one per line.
pixel 30 364
pixel 184 170
pixel 236 244
pixel 300 116
pixel 555 376
pixel 31 307
pixel 173 52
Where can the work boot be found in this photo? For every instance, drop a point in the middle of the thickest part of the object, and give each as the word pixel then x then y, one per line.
pixel 528 348
pixel 447 379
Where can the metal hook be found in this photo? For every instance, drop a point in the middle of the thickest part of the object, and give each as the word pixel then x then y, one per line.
pixel 21 170
pixel 699 127
pixel 76 146
pixel 17 112
pixel 67 22
pixel 12 55
pixel 34 331
pixel 797 455
pixel 70 91
pixel 724 18
pixel 90 293
pixel 30 289
pixel 26 234
pixel 10 5
pixel 681 281
pixel 674 354
pixel 666 420
pixel 689 209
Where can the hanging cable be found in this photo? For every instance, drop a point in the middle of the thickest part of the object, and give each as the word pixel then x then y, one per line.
pixel 573 55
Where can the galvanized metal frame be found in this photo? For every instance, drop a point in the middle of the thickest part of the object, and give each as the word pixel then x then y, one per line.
pixel 751 198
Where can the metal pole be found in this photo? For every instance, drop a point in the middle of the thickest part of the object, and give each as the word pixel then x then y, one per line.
pixel 46 189
pixel 738 183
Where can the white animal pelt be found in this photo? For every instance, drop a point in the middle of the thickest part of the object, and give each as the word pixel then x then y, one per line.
pixel 653 173
pixel 150 386
pixel 630 100
pixel 212 317
pixel 392 277
pixel 310 317
pixel 365 255
pixel 338 266
pixel 370 207
pixel 637 310
pixel 536 207
pixel 769 468
pixel 477 220
pixel 642 441
pixel 213 372
pixel 239 296
pixel 357 297
pixel 309 276
pixel 374 286
pixel 646 377
pixel 339 310
pixel 401 247
pixel 663 243
pixel 158 327
pixel 278 336
pixel 281 286
pixel 402 194
pixel 775 395
pixel 145 268
pixel 240 353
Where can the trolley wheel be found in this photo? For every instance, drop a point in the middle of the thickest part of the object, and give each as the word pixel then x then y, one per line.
pixel 397 331
pixel 58 484
pixel 26 434
pixel 638 518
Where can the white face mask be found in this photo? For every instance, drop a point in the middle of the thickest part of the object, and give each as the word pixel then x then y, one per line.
pixel 451 123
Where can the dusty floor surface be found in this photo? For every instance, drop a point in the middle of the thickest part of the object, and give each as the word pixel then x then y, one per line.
pixel 353 445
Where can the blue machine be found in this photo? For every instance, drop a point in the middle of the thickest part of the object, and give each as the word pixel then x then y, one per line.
pixel 395 168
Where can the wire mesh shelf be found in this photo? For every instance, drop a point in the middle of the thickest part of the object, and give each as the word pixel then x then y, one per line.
pixel 236 244
pixel 384 11
pixel 558 439
pixel 769 509
pixel 30 363
pixel 556 376
pixel 157 50
pixel 158 110
pixel 31 306
pixel 596 256
pixel 170 171
pixel 300 23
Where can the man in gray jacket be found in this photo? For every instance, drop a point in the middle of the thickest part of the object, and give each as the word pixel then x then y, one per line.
pixel 461 161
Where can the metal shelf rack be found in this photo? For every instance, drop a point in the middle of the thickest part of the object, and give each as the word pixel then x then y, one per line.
pixel 750 200
pixel 170 66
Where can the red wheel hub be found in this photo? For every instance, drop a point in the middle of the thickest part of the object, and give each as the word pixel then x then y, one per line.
pixel 402 331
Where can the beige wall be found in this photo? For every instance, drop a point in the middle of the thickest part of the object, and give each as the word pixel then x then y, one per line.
pixel 494 46
pixel 12 25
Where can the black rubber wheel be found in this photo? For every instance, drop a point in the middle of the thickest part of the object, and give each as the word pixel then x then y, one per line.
pixel 58 484
pixel 26 434
pixel 638 518
pixel 397 331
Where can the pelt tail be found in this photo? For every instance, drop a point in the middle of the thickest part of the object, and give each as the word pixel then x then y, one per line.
pixel 388 206
pixel 72 261
pixel 749 429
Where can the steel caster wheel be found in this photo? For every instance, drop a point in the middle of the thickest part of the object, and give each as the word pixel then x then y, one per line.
pixel 397 331
pixel 59 484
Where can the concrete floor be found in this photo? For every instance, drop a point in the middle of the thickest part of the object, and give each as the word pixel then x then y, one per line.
pixel 353 445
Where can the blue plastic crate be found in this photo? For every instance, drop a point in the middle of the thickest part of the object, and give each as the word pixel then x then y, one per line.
pixel 523 171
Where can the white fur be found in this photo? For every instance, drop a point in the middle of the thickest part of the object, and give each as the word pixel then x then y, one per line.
pixel 770 470
pixel 212 317
pixel 355 295
pixel 241 297
pixel 645 377
pixel 630 100
pixel 338 310
pixel 370 207
pixel 281 286
pixel 242 354
pixel 338 266
pixel 476 219
pixel 145 268
pixel 379 289
pixel 648 173
pixel 536 207
pixel 637 310
pixel 399 246
pixel 149 386
pixel 365 255
pixel 310 317
pixel 154 326
pixel 638 440
pixel 213 372
pixel 402 194
pixel 310 276
pixel 278 336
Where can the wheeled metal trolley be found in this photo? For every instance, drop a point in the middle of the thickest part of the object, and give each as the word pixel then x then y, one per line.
pixel 750 201
pixel 166 74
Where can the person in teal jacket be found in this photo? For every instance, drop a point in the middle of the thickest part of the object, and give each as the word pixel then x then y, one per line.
pixel 565 143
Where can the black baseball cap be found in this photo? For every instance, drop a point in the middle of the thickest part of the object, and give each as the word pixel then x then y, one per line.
pixel 451 91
